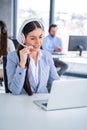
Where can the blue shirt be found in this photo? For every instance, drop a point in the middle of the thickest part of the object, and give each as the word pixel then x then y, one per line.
pixel 50 43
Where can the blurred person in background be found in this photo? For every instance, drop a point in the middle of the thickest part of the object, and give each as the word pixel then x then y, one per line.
pixel 53 44
pixel 6 45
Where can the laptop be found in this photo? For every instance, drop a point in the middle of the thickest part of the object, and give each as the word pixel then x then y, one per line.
pixel 65 94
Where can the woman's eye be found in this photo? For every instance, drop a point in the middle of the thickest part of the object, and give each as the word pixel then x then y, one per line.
pixel 32 38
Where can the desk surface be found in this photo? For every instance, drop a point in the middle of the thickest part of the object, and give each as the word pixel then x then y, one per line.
pixel 76 64
pixel 72 59
pixel 20 113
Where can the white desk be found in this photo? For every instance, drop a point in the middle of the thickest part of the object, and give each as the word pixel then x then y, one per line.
pixel 20 113
pixel 76 64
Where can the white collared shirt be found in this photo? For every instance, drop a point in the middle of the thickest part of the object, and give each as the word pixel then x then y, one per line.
pixel 35 68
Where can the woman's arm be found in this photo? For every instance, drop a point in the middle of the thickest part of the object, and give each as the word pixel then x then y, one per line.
pixel 15 74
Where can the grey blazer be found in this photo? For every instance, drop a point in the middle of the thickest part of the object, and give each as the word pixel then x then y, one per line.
pixel 16 75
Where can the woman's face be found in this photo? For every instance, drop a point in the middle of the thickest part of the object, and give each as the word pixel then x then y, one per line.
pixel 34 39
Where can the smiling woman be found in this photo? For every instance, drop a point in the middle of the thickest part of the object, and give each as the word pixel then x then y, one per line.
pixel 35 67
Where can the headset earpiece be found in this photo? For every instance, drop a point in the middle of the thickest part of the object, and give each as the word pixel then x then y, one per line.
pixel 3 30
pixel 22 38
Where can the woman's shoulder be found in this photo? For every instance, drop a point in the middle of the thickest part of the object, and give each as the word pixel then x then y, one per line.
pixel 13 55
pixel 9 40
pixel 46 54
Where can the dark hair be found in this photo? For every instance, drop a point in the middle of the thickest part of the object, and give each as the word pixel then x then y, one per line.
pixel 29 27
pixel 52 25
pixel 3 41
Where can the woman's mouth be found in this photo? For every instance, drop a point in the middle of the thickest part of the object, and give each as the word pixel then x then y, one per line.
pixel 36 46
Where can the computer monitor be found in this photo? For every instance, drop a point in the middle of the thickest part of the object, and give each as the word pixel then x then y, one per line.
pixel 77 43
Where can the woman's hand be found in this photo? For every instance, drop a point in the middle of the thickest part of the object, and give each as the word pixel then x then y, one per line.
pixel 23 56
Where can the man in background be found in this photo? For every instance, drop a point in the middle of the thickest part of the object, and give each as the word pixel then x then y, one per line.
pixel 51 42
pixel 54 45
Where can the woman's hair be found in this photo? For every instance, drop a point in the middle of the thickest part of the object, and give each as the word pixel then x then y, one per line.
pixel 29 27
pixel 3 39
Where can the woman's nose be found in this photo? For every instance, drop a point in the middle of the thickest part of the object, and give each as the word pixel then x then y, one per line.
pixel 37 41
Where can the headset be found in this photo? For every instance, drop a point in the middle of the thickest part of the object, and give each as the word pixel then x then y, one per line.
pixel 21 37
pixel 4 30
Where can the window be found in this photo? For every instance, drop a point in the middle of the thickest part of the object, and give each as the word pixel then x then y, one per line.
pixel 71 18
pixel 33 8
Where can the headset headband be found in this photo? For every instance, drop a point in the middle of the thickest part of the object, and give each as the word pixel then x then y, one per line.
pixel 21 37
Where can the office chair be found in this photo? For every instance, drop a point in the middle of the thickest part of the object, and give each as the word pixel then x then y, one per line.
pixel 5 74
pixel 61 65
pixel 15 42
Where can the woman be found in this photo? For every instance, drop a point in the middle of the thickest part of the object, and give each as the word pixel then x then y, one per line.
pixel 32 68
pixel 6 45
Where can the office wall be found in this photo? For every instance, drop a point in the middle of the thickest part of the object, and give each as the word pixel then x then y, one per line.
pixel 6 14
